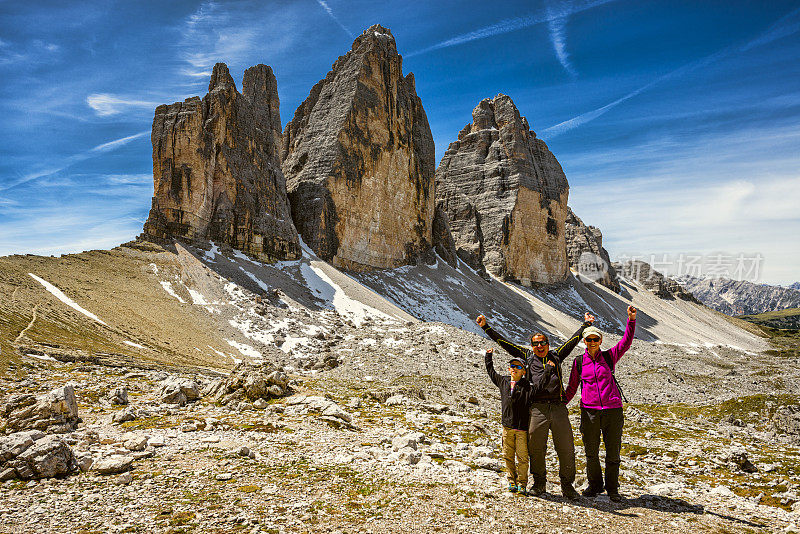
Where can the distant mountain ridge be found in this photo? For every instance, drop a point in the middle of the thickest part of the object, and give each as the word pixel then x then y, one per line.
pixel 740 297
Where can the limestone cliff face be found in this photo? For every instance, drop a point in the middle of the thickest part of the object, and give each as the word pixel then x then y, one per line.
pixel 216 168
pixel 586 253
pixel 506 197
pixel 358 157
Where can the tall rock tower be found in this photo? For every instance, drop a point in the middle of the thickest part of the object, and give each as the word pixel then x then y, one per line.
pixel 216 168
pixel 359 161
pixel 506 197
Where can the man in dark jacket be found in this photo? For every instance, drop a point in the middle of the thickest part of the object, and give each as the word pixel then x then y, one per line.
pixel 548 409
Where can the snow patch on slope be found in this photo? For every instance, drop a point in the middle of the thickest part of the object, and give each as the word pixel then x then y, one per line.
pixel 65 299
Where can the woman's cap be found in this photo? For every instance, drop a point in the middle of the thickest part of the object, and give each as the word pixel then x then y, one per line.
pixel 591 330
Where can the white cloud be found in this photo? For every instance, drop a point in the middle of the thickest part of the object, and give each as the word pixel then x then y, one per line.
pixel 784 27
pixel 75 158
pixel 509 25
pixel 689 216
pixel 556 25
pixel 116 143
pixel 335 18
pixel 231 33
pixel 105 104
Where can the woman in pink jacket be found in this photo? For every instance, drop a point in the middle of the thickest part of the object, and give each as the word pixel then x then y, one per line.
pixel 601 406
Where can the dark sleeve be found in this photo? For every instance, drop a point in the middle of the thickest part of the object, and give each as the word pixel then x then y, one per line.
pixel 514 350
pixel 564 350
pixel 493 376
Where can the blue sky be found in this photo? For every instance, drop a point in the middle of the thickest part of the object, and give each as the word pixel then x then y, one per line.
pixel 677 123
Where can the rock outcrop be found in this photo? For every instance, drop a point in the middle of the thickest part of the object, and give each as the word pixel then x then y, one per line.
pixel 216 168
pixel 32 454
pixel 652 280
pixel 506 197
pixel 54 412
pixel 249 382
pixel 586 253
pixel 358 157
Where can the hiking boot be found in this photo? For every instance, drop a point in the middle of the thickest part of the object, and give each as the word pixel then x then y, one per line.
pixel 521 489
pixel 591 491
pixel 537 490
pixel 615 497
pixel 569 492
pixel 512 487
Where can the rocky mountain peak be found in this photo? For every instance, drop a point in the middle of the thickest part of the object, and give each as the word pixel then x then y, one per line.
pixel 376 35
pixel 359 161
pixel 505 195
pixel 216 168
pixel 221 78
pixel 586 253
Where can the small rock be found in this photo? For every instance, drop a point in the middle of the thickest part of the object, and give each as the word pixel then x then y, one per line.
pixel 156 441
pixel 260 404
pixel 123 416
pixel 402 442
pixel 224 476
pixel 111 465
pixel 124 479
pixel 119 396
pixel 396 400
pixel 84 461
pixel 132 442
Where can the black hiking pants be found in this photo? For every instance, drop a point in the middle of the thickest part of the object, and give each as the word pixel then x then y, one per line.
pixel 608 424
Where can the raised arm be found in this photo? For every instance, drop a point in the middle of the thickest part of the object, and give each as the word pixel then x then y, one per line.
pixel 515 350
pixel 493 376
pixel 625 343
pixel 564 350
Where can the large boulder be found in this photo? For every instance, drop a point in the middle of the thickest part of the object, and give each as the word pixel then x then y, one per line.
pixel 179 391
pixel 32 454
pixel 586 253
pixel 216 168
pixel 53 412
pixel 506 197
pixel 250 382
pixel 359 161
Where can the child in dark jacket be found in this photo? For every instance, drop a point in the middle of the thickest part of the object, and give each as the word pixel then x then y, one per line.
pixel 516 394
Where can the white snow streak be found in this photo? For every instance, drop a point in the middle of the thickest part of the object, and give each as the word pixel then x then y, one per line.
pixel 65 299
pixel 168 288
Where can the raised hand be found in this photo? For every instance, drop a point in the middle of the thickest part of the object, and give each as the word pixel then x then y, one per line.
pixel 588 317
pixel 631 313
pixel 481 320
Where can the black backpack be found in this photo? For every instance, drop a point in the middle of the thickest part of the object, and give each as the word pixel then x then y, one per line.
pixel 607 358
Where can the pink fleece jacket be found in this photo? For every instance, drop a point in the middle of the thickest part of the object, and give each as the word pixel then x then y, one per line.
pixel 599 390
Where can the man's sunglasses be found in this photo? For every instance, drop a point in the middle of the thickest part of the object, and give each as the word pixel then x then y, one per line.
pixel 593 339
pixel 537 343
pixel 515 366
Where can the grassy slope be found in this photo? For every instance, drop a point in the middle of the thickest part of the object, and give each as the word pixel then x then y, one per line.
pixel 120 288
